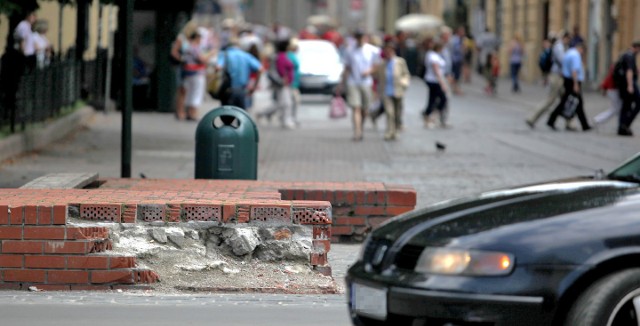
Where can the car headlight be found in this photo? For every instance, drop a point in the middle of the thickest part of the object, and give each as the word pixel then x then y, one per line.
pixel 464 262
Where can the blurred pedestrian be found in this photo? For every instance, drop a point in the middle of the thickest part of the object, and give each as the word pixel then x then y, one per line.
pixel 492 71
pixel 457 49
pixel 23 40
pixel 436 82
pixel 254 50
pixel 545 60
pixel 360 62
pixel 194 66
pixel 445 39
pixel 180 46
pixel 576 37
pixel 292 54
pixel 516 55
pixel 573 74
pixel 626 79
pixel 240 64
pixel 282 95
pixel 469 47
pixel 556 88
pixel 393 80
pixel 608 87
pixel 487 43
pixel 43 48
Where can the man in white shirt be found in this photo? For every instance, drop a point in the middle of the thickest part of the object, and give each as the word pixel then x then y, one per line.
pixel 23 39
pixel 556 86
pixel 360 63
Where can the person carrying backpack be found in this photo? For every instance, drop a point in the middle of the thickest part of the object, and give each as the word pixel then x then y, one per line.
pixel 625 77
pixel 545 62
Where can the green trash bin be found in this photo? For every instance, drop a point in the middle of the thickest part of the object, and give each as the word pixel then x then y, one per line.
pixel 227 145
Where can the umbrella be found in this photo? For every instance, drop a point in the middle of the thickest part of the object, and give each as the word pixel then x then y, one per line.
pixel 419 23
pixel 320 20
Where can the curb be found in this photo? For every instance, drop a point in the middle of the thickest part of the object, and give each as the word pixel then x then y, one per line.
pixel 38 138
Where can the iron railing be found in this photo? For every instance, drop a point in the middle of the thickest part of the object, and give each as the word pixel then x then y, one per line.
pixel 42 93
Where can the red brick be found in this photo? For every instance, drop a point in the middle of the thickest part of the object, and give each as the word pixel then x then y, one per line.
pixel 10 232
pixel 83 287
pixel 375 198
pixel 44 233
pixel 343 211
pixel 87 233
pixel 318 259
pixel 24 275
pixel 16 215
pixel 31 215
pixel 342 230
pixel 397 210
pixel 401 198
pixel 11 261
pixel 53 287
pixel 45 215
pixel 376 221
pixel 4 214
pixel 243 213
pixel 59 214
pixel 114 276
pixel 67 277
pixel 322 245
pixel 349 221
pixel 145 276
pixel 122 262
pixel 322 232
pixel 228 213
pixel 361 197
pixel 65 247
pixel 370 210
pixel 314 195
pixel 44 261
pixel 9 286
pixel 88 262
pixel 22 247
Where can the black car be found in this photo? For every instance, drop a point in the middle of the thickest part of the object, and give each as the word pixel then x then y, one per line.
pixel 559 253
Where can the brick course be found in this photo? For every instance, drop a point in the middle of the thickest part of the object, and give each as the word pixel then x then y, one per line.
pixel 39 246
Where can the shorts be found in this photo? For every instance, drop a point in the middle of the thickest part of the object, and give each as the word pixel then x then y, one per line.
pixel 359 96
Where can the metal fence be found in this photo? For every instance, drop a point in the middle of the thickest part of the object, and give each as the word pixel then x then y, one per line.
pixel 42 93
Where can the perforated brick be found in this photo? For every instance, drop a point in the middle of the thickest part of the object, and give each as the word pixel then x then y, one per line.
pixel 270 214
pixel 202 213
pixel 151 213
pixel 311 216
pixel 100 212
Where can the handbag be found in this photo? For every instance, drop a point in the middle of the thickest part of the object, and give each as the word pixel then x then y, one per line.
pixel 337 108
pixel 220 85
pixel 570 106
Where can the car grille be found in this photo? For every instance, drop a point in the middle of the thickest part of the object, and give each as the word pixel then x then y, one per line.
pixel 408 256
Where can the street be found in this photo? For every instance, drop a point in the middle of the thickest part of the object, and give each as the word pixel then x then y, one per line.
pixel 488 147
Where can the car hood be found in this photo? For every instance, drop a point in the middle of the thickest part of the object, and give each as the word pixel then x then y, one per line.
pixel 463 222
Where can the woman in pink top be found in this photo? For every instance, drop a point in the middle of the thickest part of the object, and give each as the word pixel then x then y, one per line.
pixel 283 94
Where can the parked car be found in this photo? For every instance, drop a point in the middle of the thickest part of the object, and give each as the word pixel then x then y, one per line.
pixel 559 253
pixel 320 66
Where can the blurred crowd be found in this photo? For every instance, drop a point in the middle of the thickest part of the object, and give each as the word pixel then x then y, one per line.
pixel 377 69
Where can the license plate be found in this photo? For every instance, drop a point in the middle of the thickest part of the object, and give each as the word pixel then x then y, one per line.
pixel 368 301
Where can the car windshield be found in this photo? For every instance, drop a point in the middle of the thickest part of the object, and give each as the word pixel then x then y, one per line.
pixel 629 171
